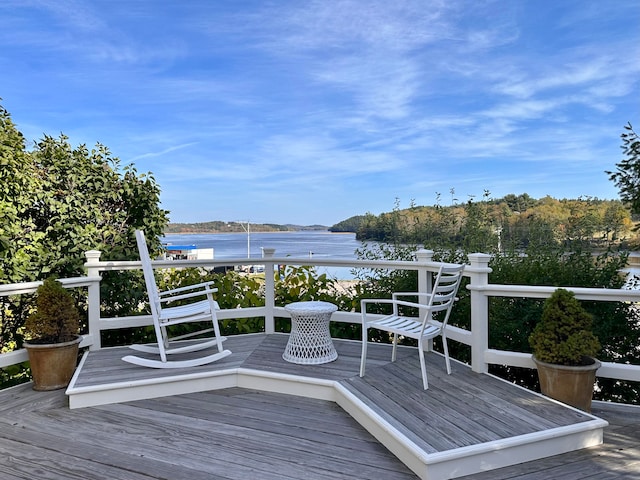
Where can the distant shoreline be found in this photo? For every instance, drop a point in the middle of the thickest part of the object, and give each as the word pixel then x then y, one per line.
pixel 218 226
pixel 257 231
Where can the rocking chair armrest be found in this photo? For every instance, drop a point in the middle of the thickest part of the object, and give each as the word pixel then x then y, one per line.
pixel 190 291
pixel 175 298
pixel 203 286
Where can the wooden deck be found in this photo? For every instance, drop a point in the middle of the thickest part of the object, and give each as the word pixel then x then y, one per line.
pixel 253 415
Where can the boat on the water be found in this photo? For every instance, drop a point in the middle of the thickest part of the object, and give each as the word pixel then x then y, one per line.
pixel 187 252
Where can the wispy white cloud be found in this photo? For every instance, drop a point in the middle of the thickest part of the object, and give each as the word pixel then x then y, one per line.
pixel 342 24
pixel 254 104
pixel 162 152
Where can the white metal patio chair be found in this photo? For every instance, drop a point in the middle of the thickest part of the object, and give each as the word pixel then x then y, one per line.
pixel 421 328
pixel 164 317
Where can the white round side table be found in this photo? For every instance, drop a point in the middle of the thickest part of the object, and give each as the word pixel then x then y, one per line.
pixel 310 340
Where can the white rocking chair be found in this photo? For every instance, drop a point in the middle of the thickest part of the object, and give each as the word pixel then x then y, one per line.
pixel 422 328
pixel 165 317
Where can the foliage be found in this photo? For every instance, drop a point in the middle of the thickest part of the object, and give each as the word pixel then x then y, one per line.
pixel 493 225
pixel 14 375
pixel 627 174
pixel 302 283
pixel 56 319
pixel 512 320
pixel 235 290
pixel 56 202
pixel 299 283
pixel 351 224
pixel 381 283
pixel 559 257
pixel 383 280
pixel 239 291
pixel 564 335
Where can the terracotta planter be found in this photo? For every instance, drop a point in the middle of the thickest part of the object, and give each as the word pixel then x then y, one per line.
pixel 52 365
pixel 570 385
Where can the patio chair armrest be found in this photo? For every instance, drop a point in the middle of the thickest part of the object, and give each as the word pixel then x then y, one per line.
pixel 366 301
pixel 420 295
pixel 388 301
pixel 417 294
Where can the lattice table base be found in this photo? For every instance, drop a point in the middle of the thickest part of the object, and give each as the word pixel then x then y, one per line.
pixel 310 340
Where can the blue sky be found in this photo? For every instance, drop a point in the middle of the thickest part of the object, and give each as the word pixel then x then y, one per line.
pixel 306 112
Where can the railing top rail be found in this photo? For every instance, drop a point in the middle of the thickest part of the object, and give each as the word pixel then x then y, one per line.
pixel 477 270
pixel 538 291
pixel 31 287
pixel 136 264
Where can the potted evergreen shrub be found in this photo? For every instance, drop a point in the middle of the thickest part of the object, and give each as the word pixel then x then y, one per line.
pixel 564 348
pixel 52 338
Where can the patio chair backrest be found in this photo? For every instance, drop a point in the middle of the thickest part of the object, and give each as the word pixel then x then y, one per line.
pixel 445 289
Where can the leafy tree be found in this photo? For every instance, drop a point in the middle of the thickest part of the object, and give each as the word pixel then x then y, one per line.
pixel 369 228
pixel 17 176
pixel 518 203
pixel 351 224
pixel 56 202
pixel 627 174
pixel 480 230
pixel 498 225
pixel 616 221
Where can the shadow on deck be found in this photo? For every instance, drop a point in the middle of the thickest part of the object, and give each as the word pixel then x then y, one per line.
pixel 463 424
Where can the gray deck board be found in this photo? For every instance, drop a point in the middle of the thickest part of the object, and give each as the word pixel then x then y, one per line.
pixel 240 433
pixel 108 366
pixel 233 434
pixel 462 409
pixel 458 410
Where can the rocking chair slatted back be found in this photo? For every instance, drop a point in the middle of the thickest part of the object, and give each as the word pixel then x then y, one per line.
pixel 202 308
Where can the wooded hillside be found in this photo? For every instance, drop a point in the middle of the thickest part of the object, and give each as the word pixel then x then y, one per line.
pixel 512 221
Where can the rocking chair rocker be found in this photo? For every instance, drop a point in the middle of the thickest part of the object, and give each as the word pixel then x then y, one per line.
pixel 165 317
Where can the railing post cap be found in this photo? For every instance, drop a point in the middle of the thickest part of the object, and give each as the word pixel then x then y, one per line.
pixel 424 254
pixel 479 257
pixel 93 255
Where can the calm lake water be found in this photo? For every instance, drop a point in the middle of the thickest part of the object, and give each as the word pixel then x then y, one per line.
pixel 310 244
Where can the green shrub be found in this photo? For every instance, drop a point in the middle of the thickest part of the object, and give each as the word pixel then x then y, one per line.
pixel 564 334
pixel 56 318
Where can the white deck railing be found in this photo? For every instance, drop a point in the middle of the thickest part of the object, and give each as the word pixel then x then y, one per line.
pixel 480 292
